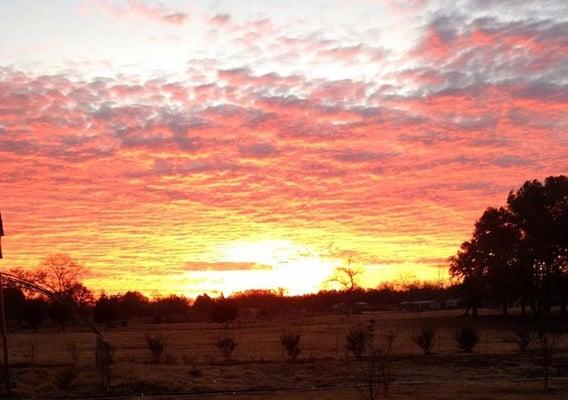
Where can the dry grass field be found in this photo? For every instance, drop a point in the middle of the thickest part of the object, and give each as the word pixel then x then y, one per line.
pixel 193 364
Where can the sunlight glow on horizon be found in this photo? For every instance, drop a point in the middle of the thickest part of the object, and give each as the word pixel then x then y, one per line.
pixel 292 267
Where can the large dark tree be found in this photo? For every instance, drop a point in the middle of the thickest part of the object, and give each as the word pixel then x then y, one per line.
pixel 132 304
pixel 464 266
pixel 540 213
pixel 521 251
pixel 106 310
pixel 496 237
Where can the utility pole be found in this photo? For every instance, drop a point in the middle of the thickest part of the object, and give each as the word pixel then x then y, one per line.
pixel 3 320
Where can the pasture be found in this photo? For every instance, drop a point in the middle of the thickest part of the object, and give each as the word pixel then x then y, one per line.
pixel 192 364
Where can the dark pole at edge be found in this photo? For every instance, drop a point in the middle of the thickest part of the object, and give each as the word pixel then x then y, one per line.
pixel 3 320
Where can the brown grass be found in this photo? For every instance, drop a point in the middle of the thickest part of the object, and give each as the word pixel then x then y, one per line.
pixel 491 372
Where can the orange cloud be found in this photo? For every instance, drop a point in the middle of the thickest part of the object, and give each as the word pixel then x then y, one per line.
pixel 145 179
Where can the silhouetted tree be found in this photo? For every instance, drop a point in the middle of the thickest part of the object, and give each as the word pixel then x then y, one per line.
pixel 79 295
pixel 59 313
pixel 33 312
pixel 169 306
pixel 14 301
pixel 347 277
pixel 487 262
pixel 496 237
pixel 203 304
pixel 465 266
pixel 224 311
pixel 540 212
pixel 132 304
pixel 59 272
pixel 520 251
pixel 106 310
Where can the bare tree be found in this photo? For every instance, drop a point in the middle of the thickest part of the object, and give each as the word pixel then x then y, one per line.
pixel 59 272
pixel 347 276
pixel 376 371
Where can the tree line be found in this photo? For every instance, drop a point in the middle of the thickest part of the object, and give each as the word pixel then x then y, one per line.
pixel 62 275
pixel 518 253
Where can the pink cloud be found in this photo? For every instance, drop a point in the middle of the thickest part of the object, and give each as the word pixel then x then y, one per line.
pixel 141 175
pixel 140 8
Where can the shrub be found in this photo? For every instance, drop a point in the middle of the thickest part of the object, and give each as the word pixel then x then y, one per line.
pixel 550 338
pixel 156 347
pixel 525 337
pixel 65 378
pixel 195 370
pixel 425 338
pixel 291 346
pixel 72 350
pixel 466 338
pixel 359 339
pixel 169 359
pixel 227 345
pixel 376 372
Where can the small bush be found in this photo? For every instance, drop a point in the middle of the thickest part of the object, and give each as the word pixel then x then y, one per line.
pixel 466 338
pixel 156 347
pixel 227 345
pixel 169 359
pixel 525 337
pixel 291 345
pixel 550 337
pixel 195 370
pixel 359 339
pixel 72 350
pixel 425 338
pixel 65 378
pixel 376 372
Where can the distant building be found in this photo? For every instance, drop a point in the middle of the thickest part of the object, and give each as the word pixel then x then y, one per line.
pixel 452 303
pixel 362 306
pixel 426 305
pixel 356 308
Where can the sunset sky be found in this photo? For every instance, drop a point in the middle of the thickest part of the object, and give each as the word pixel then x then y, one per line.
pixel 191 146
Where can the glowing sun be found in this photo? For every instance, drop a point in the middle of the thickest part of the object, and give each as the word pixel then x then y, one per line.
pixel 281 264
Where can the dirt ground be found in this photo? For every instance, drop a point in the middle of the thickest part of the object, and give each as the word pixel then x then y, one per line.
pixel 42 361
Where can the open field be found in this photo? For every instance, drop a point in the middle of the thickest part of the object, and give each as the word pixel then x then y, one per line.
pixel 496 370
